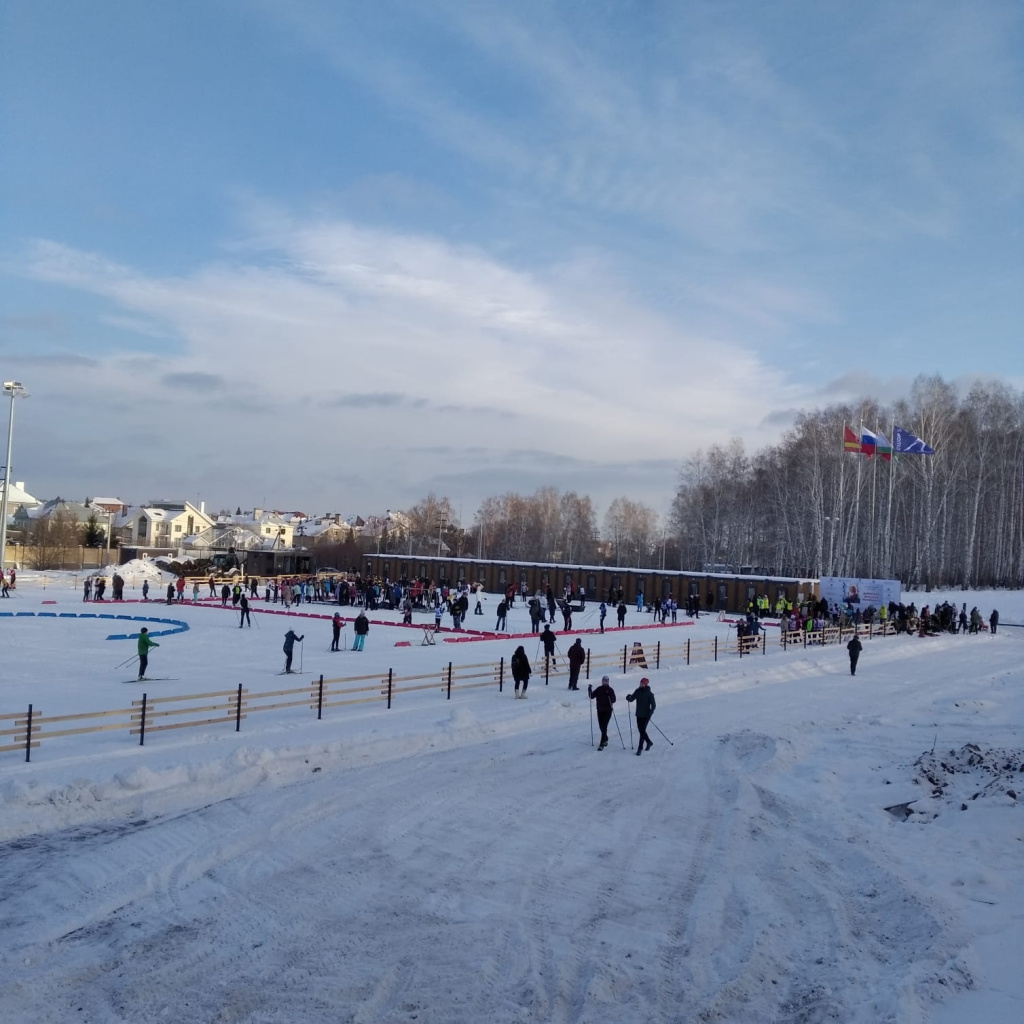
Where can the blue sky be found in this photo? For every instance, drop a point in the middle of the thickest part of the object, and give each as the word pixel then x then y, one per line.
pixel 331 256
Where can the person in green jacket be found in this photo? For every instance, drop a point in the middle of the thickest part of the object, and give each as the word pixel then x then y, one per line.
pixel 645 705
pixel 145 642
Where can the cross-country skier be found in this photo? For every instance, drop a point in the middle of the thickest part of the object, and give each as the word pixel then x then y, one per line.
pixel 645 705
pixel 502 615
pixel 145 643
pixel 335 631
pixel 547 638
pixel 604 695
pixel 244 618
pixel 289 646
pixel 360 628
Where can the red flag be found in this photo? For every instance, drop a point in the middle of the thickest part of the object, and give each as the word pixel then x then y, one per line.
pixel 851 443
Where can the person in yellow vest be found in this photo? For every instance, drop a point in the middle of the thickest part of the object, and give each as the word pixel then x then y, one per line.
pixel 883 614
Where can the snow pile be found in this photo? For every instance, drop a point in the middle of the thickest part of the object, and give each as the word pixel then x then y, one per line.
pixel 956 778
pixel 135 571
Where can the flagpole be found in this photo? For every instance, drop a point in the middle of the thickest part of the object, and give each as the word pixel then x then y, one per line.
pixel 888 510
pixel 856 515
pixel 874 478
pixel 840 516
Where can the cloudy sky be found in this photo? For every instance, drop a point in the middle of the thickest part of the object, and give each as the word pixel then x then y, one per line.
pixel 334 255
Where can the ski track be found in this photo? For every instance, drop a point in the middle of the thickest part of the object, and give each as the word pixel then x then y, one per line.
pixel 700 890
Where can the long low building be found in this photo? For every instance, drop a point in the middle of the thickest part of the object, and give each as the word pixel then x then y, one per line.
pixel 716 591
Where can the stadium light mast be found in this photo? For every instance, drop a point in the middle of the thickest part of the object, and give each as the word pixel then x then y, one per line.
pixel 15 389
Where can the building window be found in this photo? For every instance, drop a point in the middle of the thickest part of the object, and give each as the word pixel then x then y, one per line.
pixel 177 527
pixel 141 528
pixel 502 579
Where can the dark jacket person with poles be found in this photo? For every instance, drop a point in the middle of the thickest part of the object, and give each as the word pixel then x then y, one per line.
pixel 604 695
pixel 289 646
pixel 645 705
pixel 360 628
pixel 145 643
pixel 854 647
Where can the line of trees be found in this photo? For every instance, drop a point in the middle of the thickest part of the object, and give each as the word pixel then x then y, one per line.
pixel 803 507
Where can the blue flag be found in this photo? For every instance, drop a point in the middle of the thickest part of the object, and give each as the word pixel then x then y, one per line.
pixel 906 443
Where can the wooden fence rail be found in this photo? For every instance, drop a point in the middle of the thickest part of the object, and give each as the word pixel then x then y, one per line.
pixel 27 729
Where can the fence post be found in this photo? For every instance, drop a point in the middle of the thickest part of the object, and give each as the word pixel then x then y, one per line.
pixel 764 642
pixel 687 650
pixel 804 631
pixel 546 662
pixel 390 671
pixel 501 672
pixel 449 680
pixel 588 663
pixel 28 736
pixel 624 649
pixel 716 647
pixel 739 644
pixel 238 710
pixel 320 699
pixel 142 723
pixel 657 656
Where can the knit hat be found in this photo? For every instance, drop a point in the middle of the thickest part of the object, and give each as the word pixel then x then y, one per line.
pixel 645 681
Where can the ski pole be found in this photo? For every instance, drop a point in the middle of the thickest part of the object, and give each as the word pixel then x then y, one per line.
pixel 302 648
pixel 621 740
pixel 670 743
pixel 629 715
pixel 128 662
pixel 591 703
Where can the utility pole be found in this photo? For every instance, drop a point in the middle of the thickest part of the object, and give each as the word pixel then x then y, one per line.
pixel 15 390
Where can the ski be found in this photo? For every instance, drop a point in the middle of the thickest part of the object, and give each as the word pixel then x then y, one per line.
pixel 152 679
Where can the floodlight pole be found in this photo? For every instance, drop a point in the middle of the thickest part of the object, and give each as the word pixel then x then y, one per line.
pixel 14 389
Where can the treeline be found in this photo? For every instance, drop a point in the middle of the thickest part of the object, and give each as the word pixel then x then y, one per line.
pixel 803 507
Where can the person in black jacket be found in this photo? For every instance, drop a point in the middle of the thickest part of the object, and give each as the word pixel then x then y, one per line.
pixel 520 670
pixel 577 656
pixel 244 618
pixel 604 695
pixel 854 647
pixel 360 628
pixel 645 705
pixel 547 639
pixel 502 613
pixel 993 621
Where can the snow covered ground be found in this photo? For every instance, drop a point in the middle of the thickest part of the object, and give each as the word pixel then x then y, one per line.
pixel 479 861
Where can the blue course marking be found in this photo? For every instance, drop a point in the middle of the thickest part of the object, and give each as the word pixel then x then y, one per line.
pixel 179 625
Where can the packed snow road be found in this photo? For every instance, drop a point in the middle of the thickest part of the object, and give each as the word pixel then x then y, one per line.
pixel 526 878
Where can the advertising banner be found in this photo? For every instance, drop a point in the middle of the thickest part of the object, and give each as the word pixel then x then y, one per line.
pixel 858 593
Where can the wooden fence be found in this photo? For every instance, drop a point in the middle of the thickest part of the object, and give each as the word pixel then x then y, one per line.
pixel 27 729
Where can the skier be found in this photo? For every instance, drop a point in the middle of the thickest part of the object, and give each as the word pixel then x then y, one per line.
pixel 244 617
pixel 605 697
pixel 145 590
pixel 520 670
pixel 479 609
pixel 993 621
pixel 145 643
pixel 438 612
pixel 335 631
pixel 170 593
pixel 213 586
pixel 577 656
pixel 225 593
pixel 502 615
pixel 547 638
pixel 645 705
pixel 604 614
pixel 566 617
pixel 180 586
pixel 87 588
pixel 360 628
pixel 854 647
pixel 621 613
pixel 289 646
pixel 195 591
pixel 236 593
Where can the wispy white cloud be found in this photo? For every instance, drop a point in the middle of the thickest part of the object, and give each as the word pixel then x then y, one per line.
pixel 407 335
